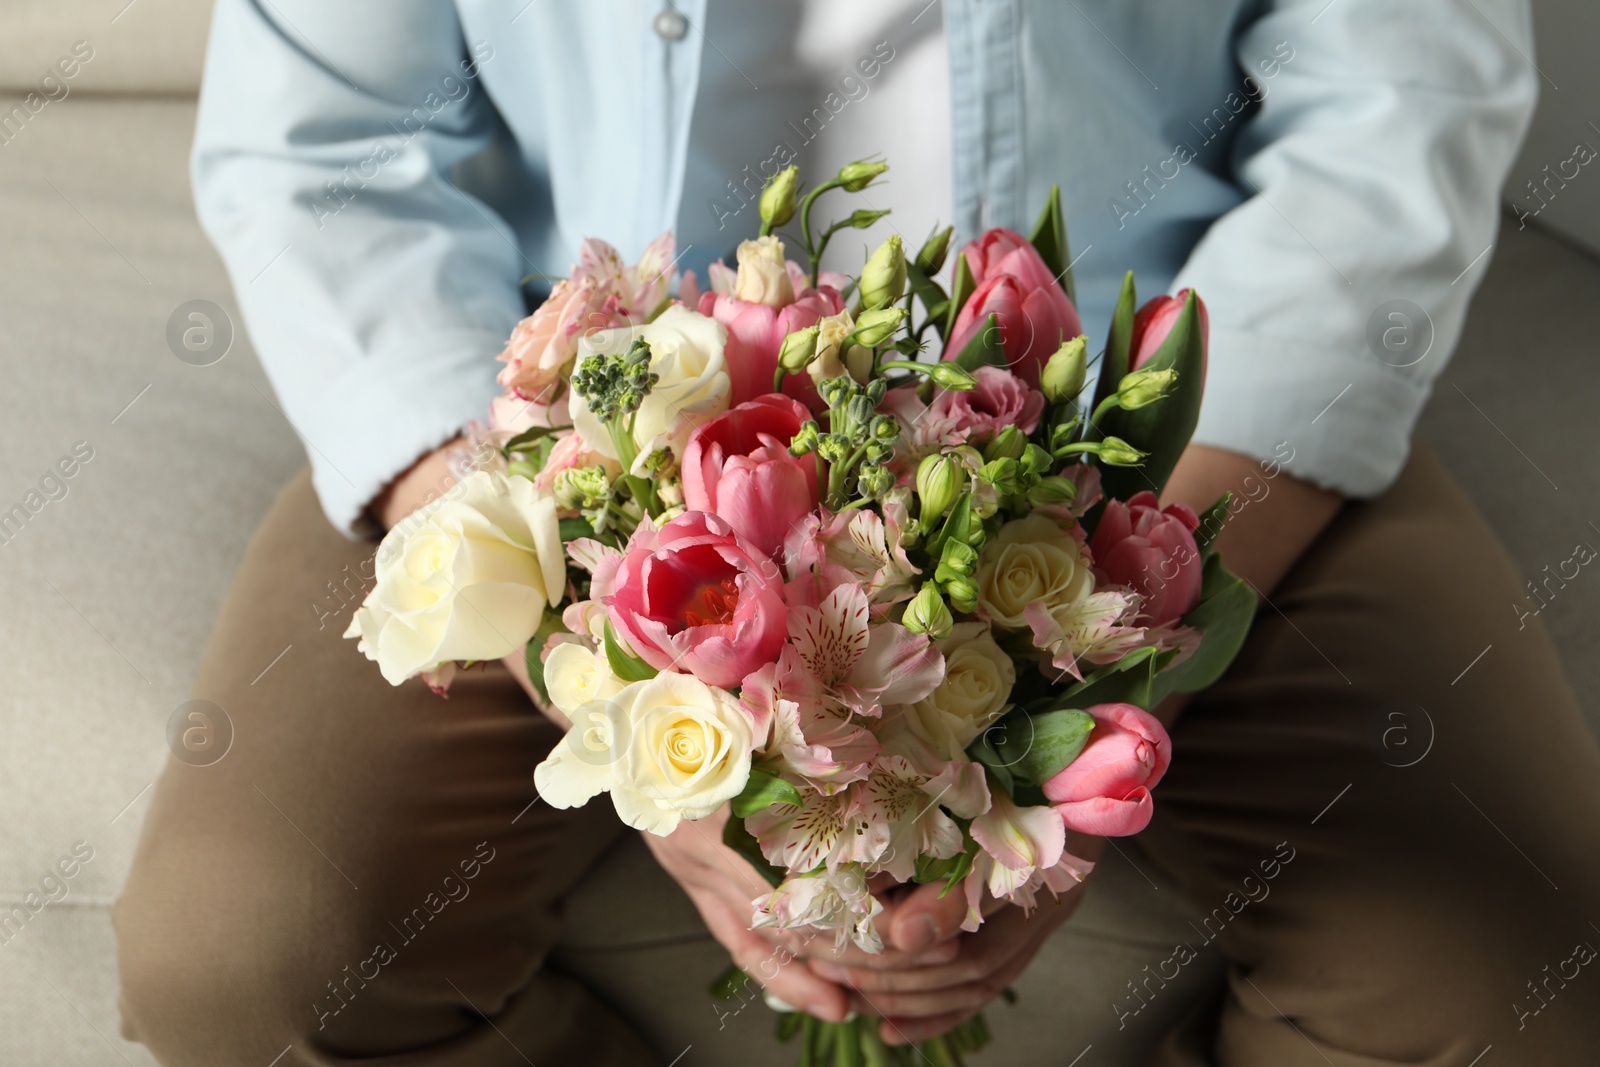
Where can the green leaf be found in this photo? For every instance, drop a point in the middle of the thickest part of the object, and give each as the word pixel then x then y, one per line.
pixel 551 624
pixel 736 837
pixel 930 292
pixel 1212 520
pixel 961 288
pixel 521 442
pixel 1161 429
pixel 984 348
pixel 1037 747
pixel 983 751
pixel 1049 239
pixel 574 528
pixel 789 1024
pixel 624 665
pixel 1226 609
pixel 762 790
pixel 726 986
pixel 1119 342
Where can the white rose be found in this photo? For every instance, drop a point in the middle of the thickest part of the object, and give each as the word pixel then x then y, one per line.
pixel 978 678
pixel 692 385
pixel 668 749
pixel 466 578
pixel 574 675
pixel 763 276
pixel 1031 561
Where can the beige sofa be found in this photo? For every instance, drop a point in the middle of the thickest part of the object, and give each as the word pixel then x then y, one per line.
pixel 110 585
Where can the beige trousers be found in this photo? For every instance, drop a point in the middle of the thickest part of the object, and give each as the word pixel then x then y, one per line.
pixel 1376 845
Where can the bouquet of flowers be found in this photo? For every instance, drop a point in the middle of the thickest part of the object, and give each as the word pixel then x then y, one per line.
pixel 905 616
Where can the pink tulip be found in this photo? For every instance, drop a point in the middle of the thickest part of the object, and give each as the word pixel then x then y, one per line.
pixel 756 333
pixel 1014 285
pixel 738 467
pixel 1106 790
pixel 694 598
pixel 1154 322
pixel 1151 549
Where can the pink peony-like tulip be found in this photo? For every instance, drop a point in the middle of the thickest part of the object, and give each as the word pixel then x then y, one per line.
pixel 756 333
pixel 692 597
pixel 1015 286
pixel 1151 549
pixel 1153 322
pixel 738 467
pixel 1106 790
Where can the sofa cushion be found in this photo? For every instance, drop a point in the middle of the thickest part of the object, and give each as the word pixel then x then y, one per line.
pixel 56 48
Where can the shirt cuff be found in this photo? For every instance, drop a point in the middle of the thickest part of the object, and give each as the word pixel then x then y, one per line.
pixel 1340 420
pixel 388 411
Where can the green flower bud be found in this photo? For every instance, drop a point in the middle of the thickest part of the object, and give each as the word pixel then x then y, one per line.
pixel 883 279
pixel 1144 387
pixel 951 376
pixel 799 349
pixel 805 440
pixel 1119 453
pixel 833 448
pixel 777 199
pixel 931 256
pixel 940 481
pixel 1052 490
pixel 1062 377
pixel 1009 443
pixel 958 560
pixel 862 218
pixel 873 481
pixel 1036 460
pixel 875 327
pixel 963 593
pixel 1004 474
pixel 856 176
pixel 928 615
pixel 581 487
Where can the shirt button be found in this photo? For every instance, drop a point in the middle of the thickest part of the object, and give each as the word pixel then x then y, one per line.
pixel 670 25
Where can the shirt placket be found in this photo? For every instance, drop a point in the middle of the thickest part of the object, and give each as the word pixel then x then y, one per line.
pixel 985 112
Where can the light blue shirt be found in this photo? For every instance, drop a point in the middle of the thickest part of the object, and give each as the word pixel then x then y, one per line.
pixel 379 174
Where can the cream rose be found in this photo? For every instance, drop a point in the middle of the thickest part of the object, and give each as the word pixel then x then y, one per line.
pixel 467 578
pixel 978 678
pixel 692 384
pixel 668 749
pixel 574 675
pixel 763 276
pixel 1031 561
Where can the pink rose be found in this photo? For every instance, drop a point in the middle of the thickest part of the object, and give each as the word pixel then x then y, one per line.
pixel 694 598
pixel 738 467
pixel 1033 311
pixel 1000 399
pixel 1151 549
pixel 1154 322
pixel 1106 790
pixel 756 333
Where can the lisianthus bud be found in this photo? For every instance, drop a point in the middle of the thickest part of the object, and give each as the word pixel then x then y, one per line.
pixel 940 480
pixel 928 615
pixel 931 256
pixel 957 560
pixel 865 218
pixel 1052 490
pixel 1062 377
pixel 763 274
pixel 883 279
pixel 777 199
pixel 1119 453
pixel 856 176
pixel 799 349
pixel 875 327
pixel 1009 443
pixel 1144 387
pixel 952 377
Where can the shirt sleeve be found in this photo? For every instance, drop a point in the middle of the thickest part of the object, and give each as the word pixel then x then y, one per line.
pixel 375 291
pixel 1337 289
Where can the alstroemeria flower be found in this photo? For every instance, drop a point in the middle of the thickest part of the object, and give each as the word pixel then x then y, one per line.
pixel 836 899
pixel 1023 848
pixel 862 665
